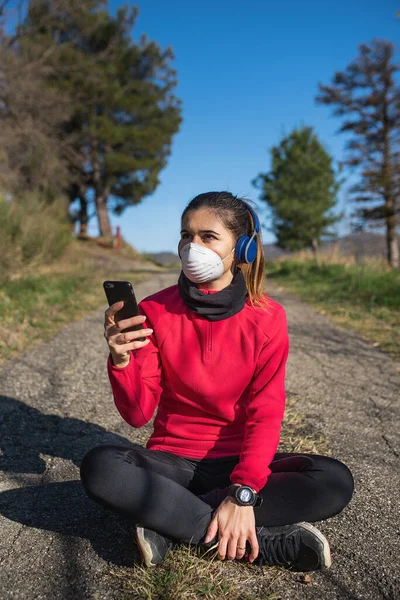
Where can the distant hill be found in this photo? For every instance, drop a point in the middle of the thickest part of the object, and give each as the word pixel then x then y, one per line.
pixel 273 252
pixel 164 259
pixel 360 245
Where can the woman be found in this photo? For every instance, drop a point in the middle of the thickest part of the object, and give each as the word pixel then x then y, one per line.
pixel 213 363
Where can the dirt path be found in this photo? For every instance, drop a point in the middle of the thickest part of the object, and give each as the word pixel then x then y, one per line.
pixel 351 392
pixel 56 404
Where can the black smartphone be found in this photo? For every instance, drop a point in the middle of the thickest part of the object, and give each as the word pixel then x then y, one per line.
pixel 123 290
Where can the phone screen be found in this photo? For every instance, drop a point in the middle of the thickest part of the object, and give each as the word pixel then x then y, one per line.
pixel 122 290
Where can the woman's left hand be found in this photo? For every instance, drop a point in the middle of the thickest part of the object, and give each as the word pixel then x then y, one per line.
pixel 235 525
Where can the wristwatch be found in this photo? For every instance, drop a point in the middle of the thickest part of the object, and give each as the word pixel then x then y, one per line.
pixel 245 495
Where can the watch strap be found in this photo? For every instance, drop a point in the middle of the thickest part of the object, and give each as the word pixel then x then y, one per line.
pixel 259 501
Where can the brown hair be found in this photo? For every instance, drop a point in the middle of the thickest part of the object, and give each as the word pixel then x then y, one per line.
pixel 237 218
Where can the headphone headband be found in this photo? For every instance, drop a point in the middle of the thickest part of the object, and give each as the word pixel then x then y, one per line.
pixel 254 215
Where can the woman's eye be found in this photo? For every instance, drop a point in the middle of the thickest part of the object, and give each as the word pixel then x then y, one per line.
pixel 207 235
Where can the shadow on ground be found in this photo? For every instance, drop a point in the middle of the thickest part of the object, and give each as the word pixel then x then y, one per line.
pixel 47 496
pixel 26 435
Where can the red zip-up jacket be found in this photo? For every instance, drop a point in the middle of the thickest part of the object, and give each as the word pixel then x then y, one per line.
pixel 219 385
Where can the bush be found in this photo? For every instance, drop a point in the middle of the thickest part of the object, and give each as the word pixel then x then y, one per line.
pixel 32 232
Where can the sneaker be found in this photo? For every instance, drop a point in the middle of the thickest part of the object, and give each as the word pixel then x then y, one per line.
pixel 153 546
pixel 209 546
pixel 299 547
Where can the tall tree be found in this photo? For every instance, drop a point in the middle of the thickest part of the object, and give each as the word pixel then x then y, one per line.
pixel 300 189
pixel 125 113
pixel 31 116
pixel 367 97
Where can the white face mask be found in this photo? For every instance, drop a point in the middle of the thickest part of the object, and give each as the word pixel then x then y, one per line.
pixel 201 264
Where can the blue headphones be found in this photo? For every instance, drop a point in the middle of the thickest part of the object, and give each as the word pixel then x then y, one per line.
pixel 246 247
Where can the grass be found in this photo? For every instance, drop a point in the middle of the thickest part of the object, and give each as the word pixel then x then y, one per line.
pixel 32 232
pixel 35 306
pixel 189 574
pixel 363 297
pixel 297 435
pixel 186 575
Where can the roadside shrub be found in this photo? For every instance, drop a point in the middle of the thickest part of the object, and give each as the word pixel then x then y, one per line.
pixel 32 232
pixel 365 285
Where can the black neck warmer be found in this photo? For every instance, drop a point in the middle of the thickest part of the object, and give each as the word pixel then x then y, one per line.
pixel 219 305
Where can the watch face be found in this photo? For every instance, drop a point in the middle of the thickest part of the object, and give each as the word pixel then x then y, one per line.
pixel 246 495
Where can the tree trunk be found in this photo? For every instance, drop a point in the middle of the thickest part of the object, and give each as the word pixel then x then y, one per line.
pixel 102 214
pixel 101 193
pixel 392 243
pixel 314 248
pixel 391 237
pixel 83 214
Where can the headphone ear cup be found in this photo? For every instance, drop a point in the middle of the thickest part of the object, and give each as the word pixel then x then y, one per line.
pixel 241 248
pixel 251 251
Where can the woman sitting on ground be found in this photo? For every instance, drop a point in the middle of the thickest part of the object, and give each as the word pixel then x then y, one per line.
pixel 214 365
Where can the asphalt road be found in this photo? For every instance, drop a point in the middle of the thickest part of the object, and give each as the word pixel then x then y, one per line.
pixel 56 404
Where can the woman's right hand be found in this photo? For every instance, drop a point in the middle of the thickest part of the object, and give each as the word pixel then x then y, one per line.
pixel 120 343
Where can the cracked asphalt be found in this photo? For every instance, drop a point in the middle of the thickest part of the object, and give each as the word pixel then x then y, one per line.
pixel 56 404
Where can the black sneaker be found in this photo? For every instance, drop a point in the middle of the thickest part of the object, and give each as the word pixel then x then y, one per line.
pixel 153 546
pixel 208 547
pixel 299 547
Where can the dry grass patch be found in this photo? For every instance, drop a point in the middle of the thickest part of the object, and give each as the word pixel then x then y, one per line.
pixel 297 435
pixel 188 574
pixel 382 329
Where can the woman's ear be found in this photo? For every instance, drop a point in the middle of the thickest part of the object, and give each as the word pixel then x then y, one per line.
pixel 234 266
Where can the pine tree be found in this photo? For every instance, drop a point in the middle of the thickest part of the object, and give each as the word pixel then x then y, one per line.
pixel 300 189
pixel 368 98
pixel 125 114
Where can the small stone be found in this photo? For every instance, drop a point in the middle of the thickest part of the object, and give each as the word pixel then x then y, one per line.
pixel 306 579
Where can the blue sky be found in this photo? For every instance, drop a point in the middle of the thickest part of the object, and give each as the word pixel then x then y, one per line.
pixel 247 73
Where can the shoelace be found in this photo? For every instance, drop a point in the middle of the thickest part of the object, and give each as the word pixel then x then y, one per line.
pixel 279 549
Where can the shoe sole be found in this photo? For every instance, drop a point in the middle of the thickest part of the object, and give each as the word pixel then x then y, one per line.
pixel 322 539
pixel 144 547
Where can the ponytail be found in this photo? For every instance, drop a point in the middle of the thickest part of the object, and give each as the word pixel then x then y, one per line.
pixel 254 274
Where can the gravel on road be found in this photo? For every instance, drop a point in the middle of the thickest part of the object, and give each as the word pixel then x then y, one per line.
pixel 56 404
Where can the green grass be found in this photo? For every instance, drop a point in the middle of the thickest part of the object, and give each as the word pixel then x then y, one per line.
pixel 34 308
pixel 363 297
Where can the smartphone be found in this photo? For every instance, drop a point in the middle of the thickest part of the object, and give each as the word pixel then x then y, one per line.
pixel 123 290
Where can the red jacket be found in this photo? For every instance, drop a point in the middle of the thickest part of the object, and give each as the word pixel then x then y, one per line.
pixel 218 385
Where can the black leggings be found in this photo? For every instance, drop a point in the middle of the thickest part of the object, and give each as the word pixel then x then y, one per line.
pixel 177 496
